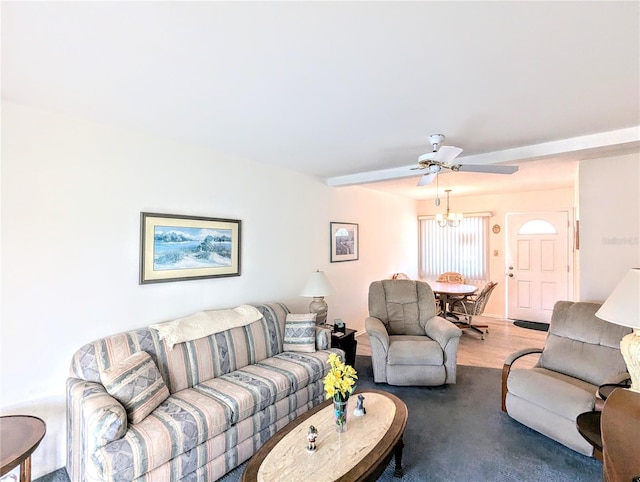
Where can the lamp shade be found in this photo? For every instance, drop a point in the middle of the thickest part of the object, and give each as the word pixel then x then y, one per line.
pixel 622 307
pixel 317 285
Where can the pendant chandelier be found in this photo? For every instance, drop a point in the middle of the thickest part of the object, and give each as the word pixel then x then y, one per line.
pixel 450 219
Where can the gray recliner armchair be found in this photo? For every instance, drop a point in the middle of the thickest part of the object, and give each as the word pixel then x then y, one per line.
pixel 410 345
pixel 581 353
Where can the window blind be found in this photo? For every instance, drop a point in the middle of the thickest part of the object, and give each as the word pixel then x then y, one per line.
pixel 464 249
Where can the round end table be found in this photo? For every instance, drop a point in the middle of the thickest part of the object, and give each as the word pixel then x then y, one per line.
pixel 20 435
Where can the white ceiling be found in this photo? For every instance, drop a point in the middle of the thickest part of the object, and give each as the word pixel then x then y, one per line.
pixel 336 89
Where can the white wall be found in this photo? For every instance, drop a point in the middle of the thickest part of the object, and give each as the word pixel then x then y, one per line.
pixel 500 205
pixel 609 223
pixel 72 193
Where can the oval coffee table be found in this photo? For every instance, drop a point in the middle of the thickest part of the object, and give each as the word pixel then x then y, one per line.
pixel 360 454
pixel 20 435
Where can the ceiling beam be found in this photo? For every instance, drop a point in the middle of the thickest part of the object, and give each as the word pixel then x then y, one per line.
pixel 621 139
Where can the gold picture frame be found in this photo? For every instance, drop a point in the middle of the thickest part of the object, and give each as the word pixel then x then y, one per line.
pixel 178 248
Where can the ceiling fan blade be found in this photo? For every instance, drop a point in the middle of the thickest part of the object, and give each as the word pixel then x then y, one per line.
pixel 426 179
pixel 446 154
pixel 488 168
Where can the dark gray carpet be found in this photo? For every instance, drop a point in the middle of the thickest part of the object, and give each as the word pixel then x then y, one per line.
pixel 532 325
pixel 459 433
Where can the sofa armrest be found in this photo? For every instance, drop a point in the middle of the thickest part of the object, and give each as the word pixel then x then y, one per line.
pixel 441 330
pixel 506 368
pixel 94 418
pixel 103 419
pixel 323 338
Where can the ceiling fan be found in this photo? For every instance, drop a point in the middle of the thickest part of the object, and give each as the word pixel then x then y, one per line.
pixel 442 157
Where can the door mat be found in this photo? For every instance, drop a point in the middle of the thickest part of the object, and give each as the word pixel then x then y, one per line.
pixel 532 325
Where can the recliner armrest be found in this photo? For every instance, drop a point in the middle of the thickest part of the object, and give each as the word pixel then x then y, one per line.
pixel 441 330
pixel 376 330
pixel 622 379
pixel 618 378
pixel 506 368
pixel 520 353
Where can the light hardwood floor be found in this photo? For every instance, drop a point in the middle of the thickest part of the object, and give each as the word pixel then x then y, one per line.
pixel 503 339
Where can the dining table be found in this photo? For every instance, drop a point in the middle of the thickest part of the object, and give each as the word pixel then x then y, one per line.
pixel 447 290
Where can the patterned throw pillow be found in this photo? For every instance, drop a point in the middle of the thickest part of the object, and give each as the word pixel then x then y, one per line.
pixel 137 384
pixel 300 333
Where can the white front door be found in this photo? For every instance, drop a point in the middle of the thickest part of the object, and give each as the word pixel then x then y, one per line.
pixel 537 264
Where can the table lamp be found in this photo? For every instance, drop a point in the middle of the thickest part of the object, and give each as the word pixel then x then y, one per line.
pixel 622 307
pixel 318 287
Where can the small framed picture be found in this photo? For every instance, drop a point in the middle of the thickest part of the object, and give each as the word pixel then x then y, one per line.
pixel 344 242
pixel 176 248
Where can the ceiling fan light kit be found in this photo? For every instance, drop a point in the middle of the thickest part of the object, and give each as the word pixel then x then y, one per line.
pixel 450 219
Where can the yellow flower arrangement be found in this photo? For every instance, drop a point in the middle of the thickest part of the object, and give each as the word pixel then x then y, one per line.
pixel 340 382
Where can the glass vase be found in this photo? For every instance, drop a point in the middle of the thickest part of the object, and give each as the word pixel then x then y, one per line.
pixel 340 414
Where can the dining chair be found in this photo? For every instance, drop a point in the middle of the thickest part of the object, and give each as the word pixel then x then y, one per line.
pixel 472 305
pixel 450 277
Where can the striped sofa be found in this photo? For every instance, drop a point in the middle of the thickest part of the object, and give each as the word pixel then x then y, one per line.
pixel 223 396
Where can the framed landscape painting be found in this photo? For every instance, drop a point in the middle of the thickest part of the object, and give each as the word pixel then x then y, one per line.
pixel 344 242
pixel 176 248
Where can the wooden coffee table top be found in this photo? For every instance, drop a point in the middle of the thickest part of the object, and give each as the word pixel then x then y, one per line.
pixel 361 453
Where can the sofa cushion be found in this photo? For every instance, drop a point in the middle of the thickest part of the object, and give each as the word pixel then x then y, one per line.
pixel 136 383
pixel 252 388
pixel 204 324
pixel 301 369
pixel 92 358
pixel 195 361
pixel 300 333
pixel 244 392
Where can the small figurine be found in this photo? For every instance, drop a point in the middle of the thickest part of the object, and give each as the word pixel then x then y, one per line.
pixel 359 411
pixel 312 434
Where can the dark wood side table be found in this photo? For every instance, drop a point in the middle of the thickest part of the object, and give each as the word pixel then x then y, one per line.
pixel 20 435
pixel 588 424
pixel 346 341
